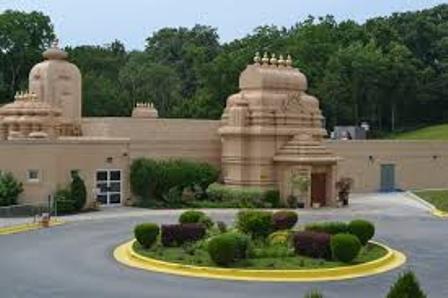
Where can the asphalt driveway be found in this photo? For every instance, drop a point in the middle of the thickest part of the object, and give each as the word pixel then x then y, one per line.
pixel 75 260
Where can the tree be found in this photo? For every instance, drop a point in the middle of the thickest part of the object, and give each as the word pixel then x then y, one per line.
pixel 23 38
pixel 78 192
pixel 10 189
pixel 406 286
pixel 146 81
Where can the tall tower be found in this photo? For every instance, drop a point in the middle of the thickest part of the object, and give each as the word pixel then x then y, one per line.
pixel 58 83
pixel 272 132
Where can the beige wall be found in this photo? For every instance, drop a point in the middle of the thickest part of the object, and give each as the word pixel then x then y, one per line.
pixel 415 165
pixel 55 159
pixel 162 138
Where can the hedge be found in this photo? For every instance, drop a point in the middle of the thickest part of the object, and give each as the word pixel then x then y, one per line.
pixel 331 228
pixel 226 248
pixel 345 247
pixel 362 229
pixel 195 216
pixel 244 197
pixel 155 178
pixel 283 220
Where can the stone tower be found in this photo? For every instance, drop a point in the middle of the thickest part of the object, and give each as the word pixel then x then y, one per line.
pixel 272 134
pixel 58 82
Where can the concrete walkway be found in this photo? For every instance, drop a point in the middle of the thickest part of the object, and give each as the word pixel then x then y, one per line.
pixel 75 260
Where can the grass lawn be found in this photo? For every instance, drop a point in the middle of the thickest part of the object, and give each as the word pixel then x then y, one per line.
pixel 197 255
pixel 439 198
pixel 436 132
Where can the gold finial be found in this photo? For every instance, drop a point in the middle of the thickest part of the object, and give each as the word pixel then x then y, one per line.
pixel 288 61
pixel 257 58
pixel 265 59
pixel 281 61
pixel 273 60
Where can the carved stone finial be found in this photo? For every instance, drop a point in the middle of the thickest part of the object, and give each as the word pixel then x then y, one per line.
pixel 273 60
pixel 55 43
pixel 257 58
pixel 281 61
pixel 288 61
pixel 265 59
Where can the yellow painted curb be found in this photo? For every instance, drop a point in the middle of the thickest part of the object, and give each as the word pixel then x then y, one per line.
pixel 27 227
pixel 439 213
pixel 125 254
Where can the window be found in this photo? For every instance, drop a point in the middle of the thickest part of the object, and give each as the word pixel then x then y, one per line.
pixel 33 175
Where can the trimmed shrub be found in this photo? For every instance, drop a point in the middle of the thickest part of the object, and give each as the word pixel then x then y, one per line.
pixel 146 234
pixel 78 192
pixel 312 244
pixel 155 178
pixel 226 248
pixel 63 202
pixel 362 229
pixel 284 220
pixel 279 238
pixel 245 197
pixel 10 189
pixel 176 235
pixel 345 247
pixel 257 224
pixel 314 294
pixel 191 216
pixel 407 286
pixel 195 216
pixel 331 228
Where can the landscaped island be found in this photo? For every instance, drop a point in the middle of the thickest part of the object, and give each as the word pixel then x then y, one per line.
pixel 259 240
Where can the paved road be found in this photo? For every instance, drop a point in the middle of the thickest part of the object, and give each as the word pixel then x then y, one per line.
pixel 75 260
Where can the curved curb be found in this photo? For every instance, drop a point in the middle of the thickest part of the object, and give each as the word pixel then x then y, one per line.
pixel 393 259
pixel 27 227
pixel 432 209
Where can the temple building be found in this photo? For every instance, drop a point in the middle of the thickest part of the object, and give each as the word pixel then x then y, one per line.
pixel 270 136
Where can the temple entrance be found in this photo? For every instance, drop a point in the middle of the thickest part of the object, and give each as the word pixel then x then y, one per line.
pixel 108 183
pixel 318 188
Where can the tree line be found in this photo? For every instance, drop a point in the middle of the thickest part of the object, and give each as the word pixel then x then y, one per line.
pixel 389 71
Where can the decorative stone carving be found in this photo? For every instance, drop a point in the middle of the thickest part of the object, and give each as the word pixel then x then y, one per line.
pixel 272 125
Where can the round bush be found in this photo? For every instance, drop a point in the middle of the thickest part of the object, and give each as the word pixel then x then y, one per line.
pixel 146 234
pixel 191 216
pixel 258 224
pixel 284 220
pixel 223 249
pixel 362 229
pixel 194 216
pixel 345 247
pixel 332 228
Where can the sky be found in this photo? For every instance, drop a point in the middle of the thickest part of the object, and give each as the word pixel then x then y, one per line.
pixel 81 22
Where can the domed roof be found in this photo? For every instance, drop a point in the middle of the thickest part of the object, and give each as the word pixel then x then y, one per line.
pixel 273 73
pixel 54 52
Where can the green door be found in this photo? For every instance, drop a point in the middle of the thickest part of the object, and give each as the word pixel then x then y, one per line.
pixel 387 177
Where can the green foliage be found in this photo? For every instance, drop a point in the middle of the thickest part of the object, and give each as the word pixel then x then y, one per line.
pixel 64 202
pixel 156 178
pixel 407 286
pixel 345 247
pixel 10 189
pixel 284 220
pixel 362 229
pixel 194 216
pixel 146 234
pixel 78 192
pixel 257 224
pixel 331 228
pixel 23 38
pixel 279 237
pixel 247 197
pixel 314 294
pixel 224 249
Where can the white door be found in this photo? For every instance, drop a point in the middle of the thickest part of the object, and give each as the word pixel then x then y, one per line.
pixel 108 183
